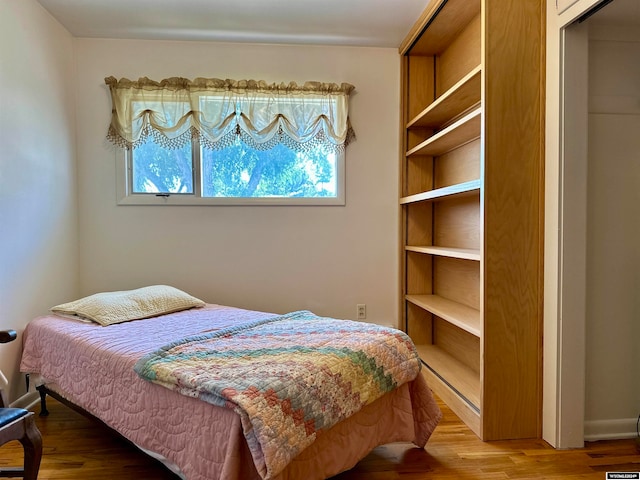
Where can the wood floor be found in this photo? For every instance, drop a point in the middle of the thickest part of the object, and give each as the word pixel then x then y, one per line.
pixel 76 448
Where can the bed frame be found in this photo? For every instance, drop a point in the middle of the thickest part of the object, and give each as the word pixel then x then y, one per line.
pixel 44 412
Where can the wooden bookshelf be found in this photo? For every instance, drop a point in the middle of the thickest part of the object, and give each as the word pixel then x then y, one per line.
pixel 460 377
pixel 458 314
pixel 471 208
pixel 458 190
pixel 465 253
pixel 460 98
pixel 463 131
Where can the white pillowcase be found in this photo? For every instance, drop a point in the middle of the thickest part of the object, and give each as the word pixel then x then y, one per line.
pixel 107 308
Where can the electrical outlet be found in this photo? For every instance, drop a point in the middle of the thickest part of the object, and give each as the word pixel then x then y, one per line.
pixel 362 311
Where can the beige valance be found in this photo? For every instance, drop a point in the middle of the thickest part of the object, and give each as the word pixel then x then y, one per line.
pixel 218 112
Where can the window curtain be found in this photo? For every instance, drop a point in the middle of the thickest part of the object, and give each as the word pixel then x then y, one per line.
pixel 219 112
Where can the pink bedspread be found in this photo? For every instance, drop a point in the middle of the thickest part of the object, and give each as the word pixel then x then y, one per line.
pixel 92 366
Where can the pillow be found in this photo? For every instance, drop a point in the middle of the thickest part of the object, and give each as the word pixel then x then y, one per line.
pixel 108 308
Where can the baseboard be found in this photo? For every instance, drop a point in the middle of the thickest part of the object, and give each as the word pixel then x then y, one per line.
pixel 610 429
pixel 28 401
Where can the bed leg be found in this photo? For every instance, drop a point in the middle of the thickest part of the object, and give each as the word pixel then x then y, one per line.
pixel 43 401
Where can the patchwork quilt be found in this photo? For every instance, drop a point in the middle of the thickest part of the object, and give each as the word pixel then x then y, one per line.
pixel 288 377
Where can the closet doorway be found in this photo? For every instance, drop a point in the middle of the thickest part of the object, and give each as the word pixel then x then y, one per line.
pixel 591 391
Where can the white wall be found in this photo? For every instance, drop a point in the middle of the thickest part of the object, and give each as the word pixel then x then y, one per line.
pixel 325 259
pixel 613 229
pixel 38 221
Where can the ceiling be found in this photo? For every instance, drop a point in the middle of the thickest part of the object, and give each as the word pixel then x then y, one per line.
pixel 372 23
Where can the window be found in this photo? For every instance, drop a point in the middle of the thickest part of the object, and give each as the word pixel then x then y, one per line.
pixel 158 170
pixel 223 142
pixel 237 174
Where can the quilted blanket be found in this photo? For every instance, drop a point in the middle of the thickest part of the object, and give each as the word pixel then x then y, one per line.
pixel 288 377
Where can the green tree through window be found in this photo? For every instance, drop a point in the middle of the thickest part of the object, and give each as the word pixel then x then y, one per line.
pixel 241 171
pixel 156 169
pixel 236 171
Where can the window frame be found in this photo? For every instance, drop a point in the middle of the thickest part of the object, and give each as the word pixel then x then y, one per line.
pixel 126 196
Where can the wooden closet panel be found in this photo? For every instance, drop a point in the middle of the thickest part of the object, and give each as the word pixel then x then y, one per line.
pixel 420 84
pixel 462 56
pixel 513 218
pixel 419 324
pixel 459 344
pixel 418 175
pixel 457 223
pixel 419 224
pixel 442 29
pixel 418 273
pixel 458 166
pixel 415 136
pixel 457 280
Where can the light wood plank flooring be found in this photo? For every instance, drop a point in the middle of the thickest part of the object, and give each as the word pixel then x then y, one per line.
pixel 76 448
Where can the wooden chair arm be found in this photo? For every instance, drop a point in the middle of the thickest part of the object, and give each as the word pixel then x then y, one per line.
pixel 7 336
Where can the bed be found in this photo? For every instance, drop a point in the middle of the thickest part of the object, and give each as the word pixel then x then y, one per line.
pixel 97 369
